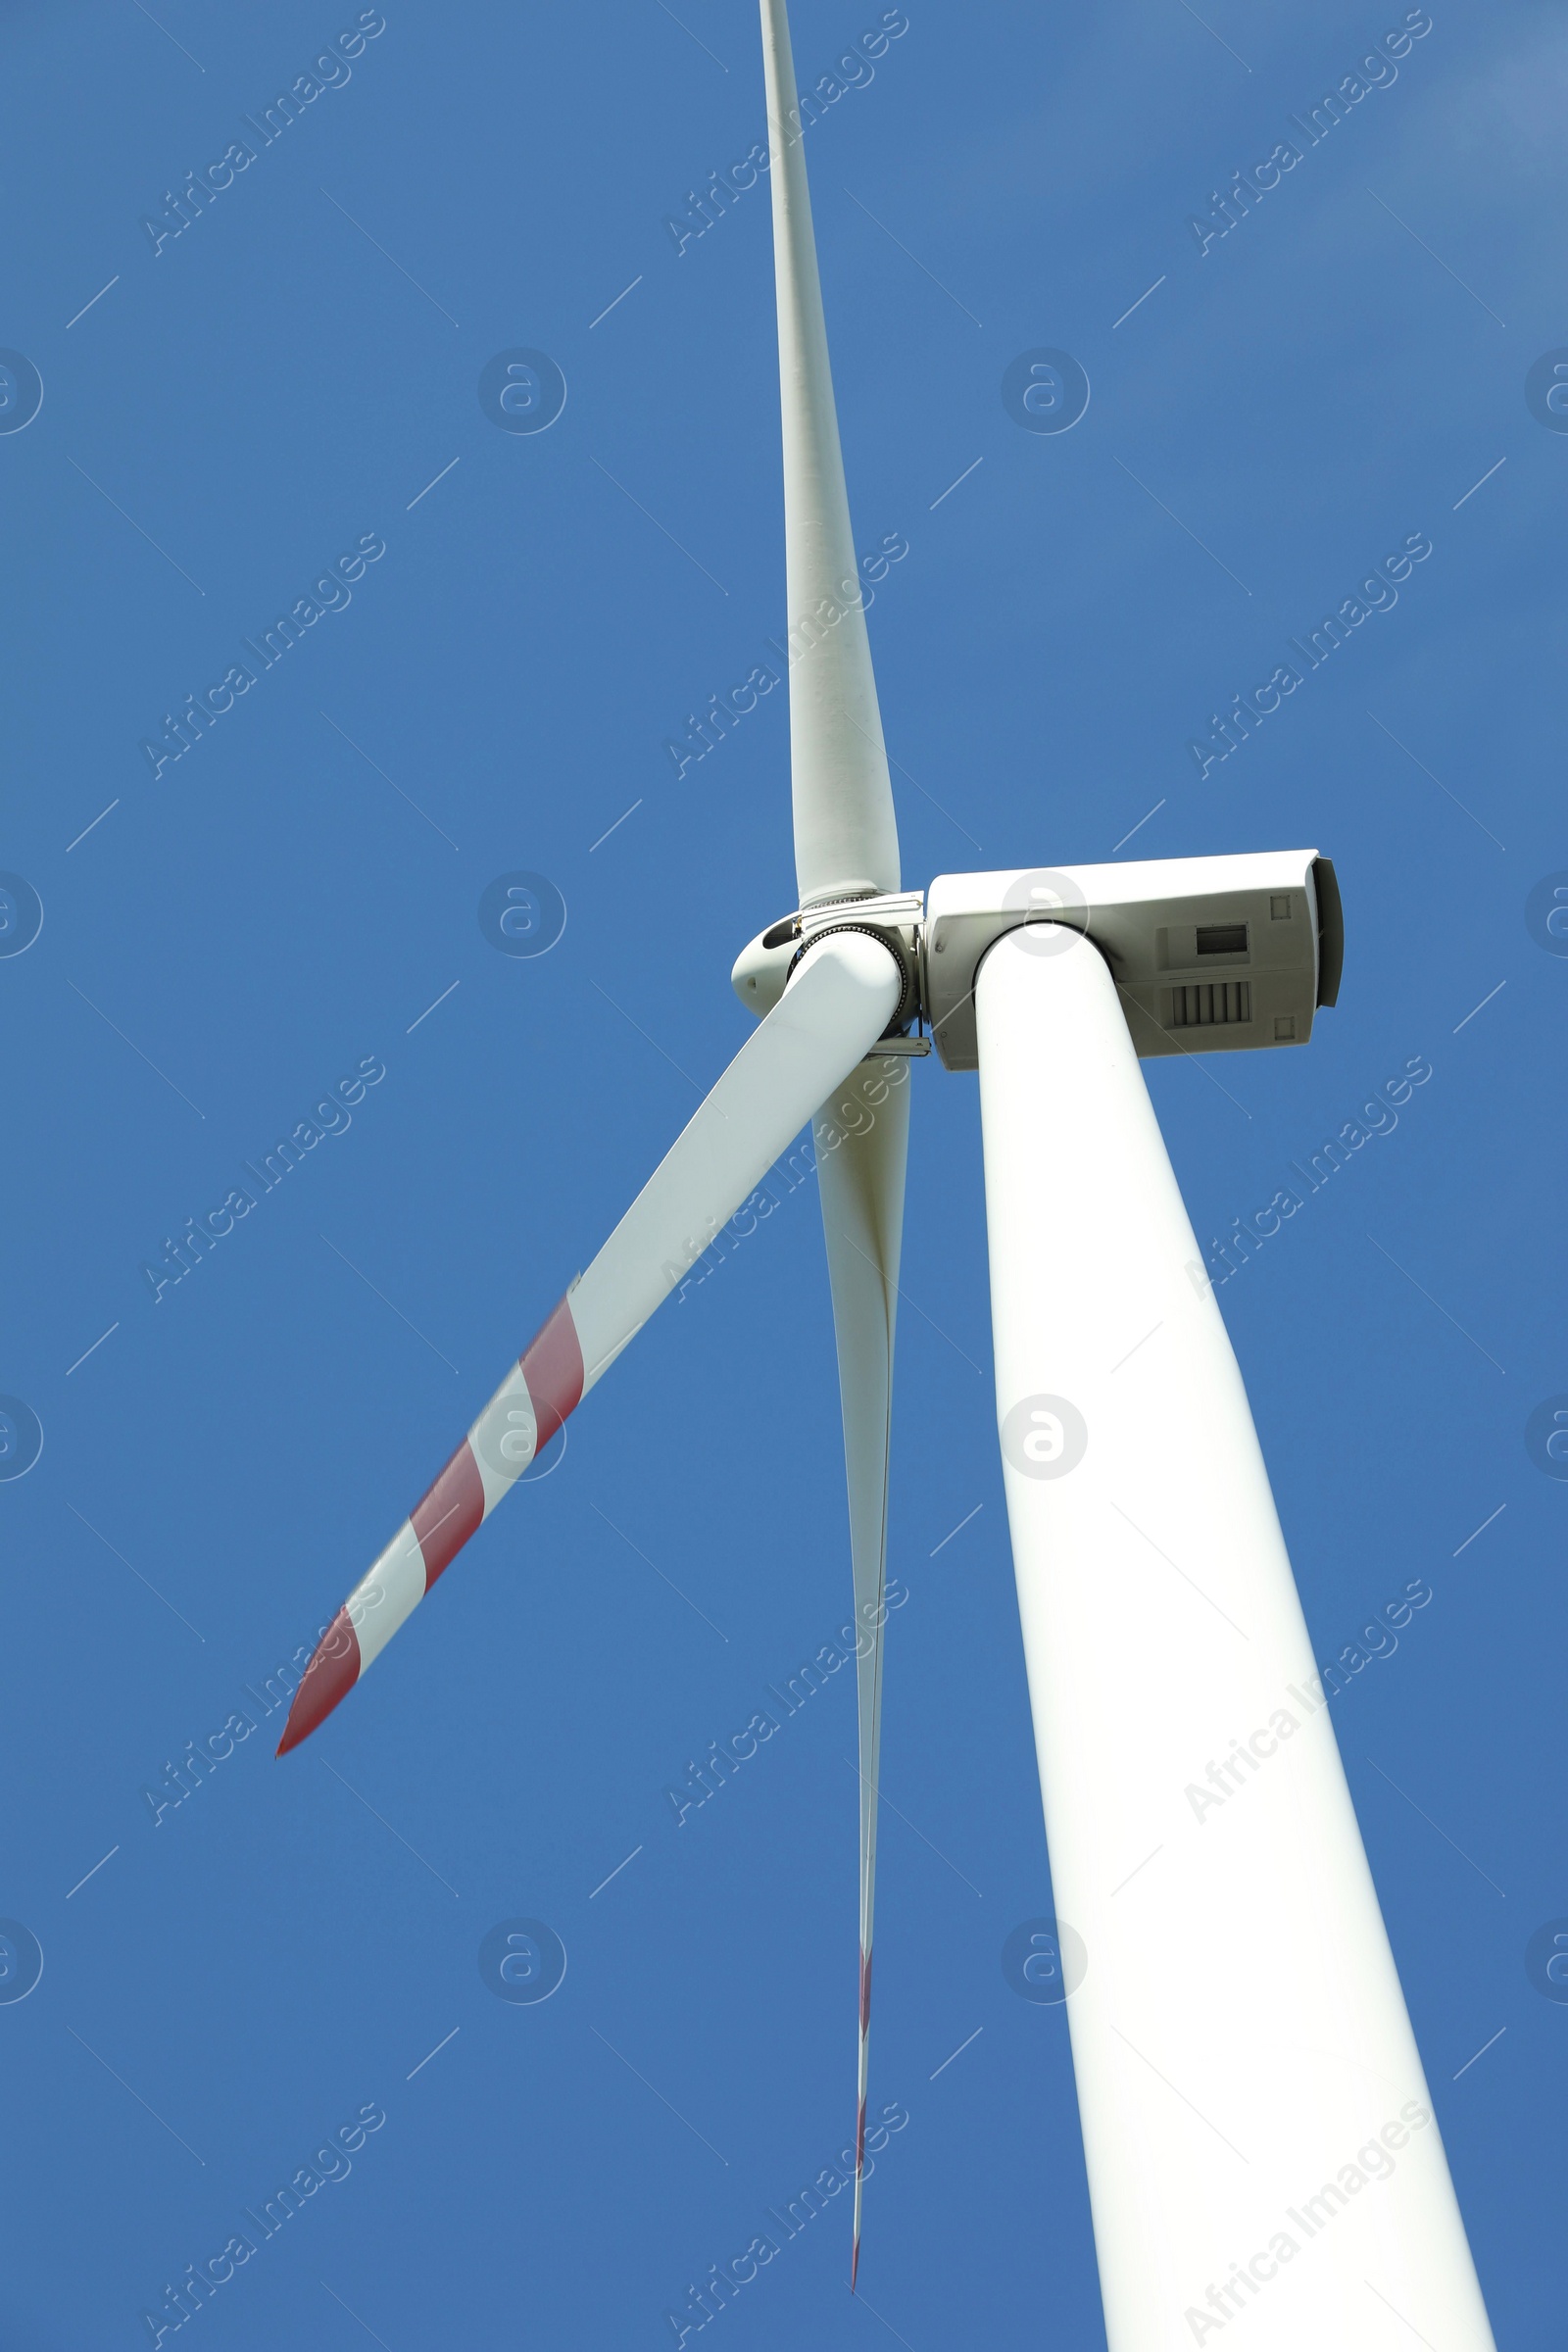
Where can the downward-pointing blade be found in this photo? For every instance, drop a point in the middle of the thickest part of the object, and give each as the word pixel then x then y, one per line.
pixel 862 1136
pixel 842 997
pixel 846 840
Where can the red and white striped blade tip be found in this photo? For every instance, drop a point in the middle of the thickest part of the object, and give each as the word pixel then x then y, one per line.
pixel 525 1414
pixel 329 1677
pixel 859 2113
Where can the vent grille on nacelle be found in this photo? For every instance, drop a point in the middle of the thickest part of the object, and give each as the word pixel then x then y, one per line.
pixel 1211 1004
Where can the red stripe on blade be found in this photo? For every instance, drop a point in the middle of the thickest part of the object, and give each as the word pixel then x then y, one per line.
pixel 446 1517
pixel 860 2169
pixel 553 1368
pixel 329 1677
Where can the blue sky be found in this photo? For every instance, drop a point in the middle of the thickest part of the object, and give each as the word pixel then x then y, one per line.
pixel 298 896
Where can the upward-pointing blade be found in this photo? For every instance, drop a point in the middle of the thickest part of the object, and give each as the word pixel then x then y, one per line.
pixel 846 841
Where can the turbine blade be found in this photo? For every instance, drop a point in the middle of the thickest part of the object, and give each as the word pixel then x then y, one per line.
pixel 861 1182
pixel 846 838
pixel 843 993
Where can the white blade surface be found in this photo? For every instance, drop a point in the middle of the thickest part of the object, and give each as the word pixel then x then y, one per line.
pixel 846 841
pixel 862 1136
pixel 1257 2125
pixel 846 847
pixel 842 995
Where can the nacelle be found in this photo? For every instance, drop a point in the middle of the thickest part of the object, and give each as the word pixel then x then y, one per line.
pixel 1209 954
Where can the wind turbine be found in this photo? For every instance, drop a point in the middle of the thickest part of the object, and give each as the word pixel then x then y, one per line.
pixel 1257 2123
